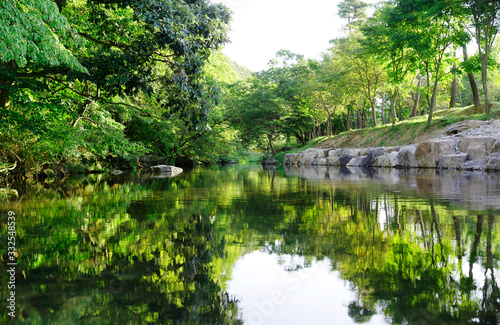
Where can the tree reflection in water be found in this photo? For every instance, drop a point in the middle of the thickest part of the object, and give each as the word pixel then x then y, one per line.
pixel 116 250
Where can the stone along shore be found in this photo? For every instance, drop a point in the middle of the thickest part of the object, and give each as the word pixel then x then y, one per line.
pixel 468 145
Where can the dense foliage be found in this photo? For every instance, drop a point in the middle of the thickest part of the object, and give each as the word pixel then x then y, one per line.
pixel 92 85
pixel 89 85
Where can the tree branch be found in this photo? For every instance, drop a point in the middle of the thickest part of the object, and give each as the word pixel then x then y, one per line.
pixel 99 98
pixel 105 43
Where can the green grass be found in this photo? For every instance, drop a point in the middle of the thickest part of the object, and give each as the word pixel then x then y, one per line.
pixel 412 130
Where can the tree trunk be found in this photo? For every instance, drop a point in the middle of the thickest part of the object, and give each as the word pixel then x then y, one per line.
pixel 417 97
pixel 393 105
pixel 429 102
pixel 270 139
pixel 358 117
pixel 453 93
pixel 300 138
pixel 453 96
pixel 374 113
pixel 383 109
pixel 348 122
pixel 329 126
pixel 432 107
pixel 472 81
pixel 484 79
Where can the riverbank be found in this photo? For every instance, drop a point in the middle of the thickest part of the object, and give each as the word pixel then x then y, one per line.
pixel 470 143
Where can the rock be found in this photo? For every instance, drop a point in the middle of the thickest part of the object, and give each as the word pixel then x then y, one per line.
pixel 365 151
pixel 463 126
pixel 391 149
pixel 308 156
pixel 492 162
pixel 454 161
pixel 321 161
pixel 387 160
pixel 357 161
pixel 473 165
pixel 335 153
pixel 269 162
pixel 333 161
pixel 479 147
pixel 406 157
pixel 169 171
pixel 345 159
pixel 351 152
pixel 322 153
pixel 429 153
pixel 116 172
pixel 372 155
pixel 290 159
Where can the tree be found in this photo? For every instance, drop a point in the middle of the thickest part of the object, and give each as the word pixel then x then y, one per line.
pixel 258 112
pixel 289 72
pixel 429 33
pixel 354 11
pixel 385 39
pixel 365 71
pixel 486 17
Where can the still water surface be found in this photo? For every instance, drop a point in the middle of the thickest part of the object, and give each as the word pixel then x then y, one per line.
pixel 240 244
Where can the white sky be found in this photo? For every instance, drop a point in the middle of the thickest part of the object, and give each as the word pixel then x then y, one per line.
pixel 260 28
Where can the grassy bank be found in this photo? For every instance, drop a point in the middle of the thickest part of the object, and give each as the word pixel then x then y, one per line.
pixel 410 131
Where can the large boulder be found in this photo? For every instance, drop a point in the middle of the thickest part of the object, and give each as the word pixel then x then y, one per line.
pixel 479 147
pixel 474 165
pixel 406 157
pixel 387 160
pixel 323 153
pixel 321 162
pixel 373 153
pixel 333 161
pixel 429 153
pixel 351 152
pixel 335 153
pixel 454 161
pixel 306 157
pixel 357 161
pixel 345 159
pixel 492 162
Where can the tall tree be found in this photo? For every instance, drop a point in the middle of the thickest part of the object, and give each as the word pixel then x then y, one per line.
pixel 289 72
pixel 385 39
pixel 430 34
pixel 354 11
pixel 472 79
pixel 258 113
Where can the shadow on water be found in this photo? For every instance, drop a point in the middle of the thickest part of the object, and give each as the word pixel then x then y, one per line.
pixel 417 247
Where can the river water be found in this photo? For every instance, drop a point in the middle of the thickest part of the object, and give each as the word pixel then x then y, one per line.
pixel 240 244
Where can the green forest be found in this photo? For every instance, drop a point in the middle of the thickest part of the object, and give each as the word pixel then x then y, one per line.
pixel 97 85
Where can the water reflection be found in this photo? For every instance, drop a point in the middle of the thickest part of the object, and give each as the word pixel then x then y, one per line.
pixel 469 190
pixel 389 247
